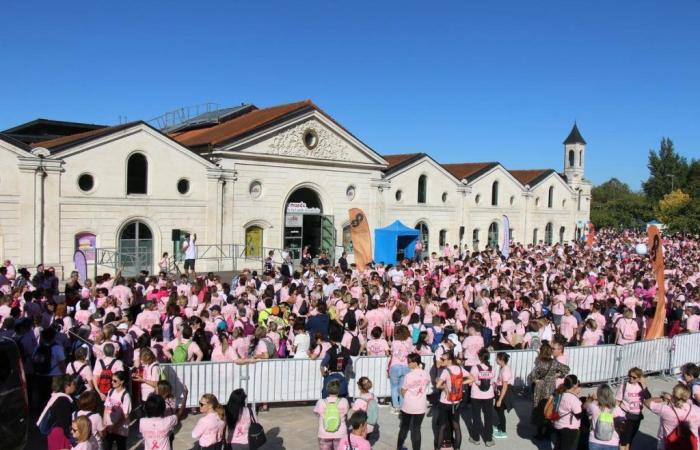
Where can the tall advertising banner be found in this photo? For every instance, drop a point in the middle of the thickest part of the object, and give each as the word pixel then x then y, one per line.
pixel 505 246
pixel 591 235
pixel 80 262
pixel 361 238
pixel 656 257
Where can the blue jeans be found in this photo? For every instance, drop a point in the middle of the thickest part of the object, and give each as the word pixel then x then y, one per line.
pixel 396 375
pixel 595 446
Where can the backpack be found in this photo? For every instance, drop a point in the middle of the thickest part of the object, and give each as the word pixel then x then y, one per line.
pixel 437 339
pixel 456 379
pixel 337 358
pixel 354 345
pixel 282 352
pixel 79 381
pixel 104 381
pixel 535 342
pixel 170 333
pixel 485 382
pixel 269 347
pixel 681 438
pixel 415 334
pixel 248 328
pixel 304 308
pixel 372 410
pixel 42 359
pixel 604 426
pixel 180 353
pixel 331 417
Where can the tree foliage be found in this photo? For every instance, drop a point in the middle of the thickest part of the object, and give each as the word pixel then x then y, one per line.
pixel 614 205
pixel 667 170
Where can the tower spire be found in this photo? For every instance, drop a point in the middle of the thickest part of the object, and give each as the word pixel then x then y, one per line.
pixel 575 136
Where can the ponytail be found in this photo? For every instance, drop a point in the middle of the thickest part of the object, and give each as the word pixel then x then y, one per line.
pixel 569 382
pixel 484 357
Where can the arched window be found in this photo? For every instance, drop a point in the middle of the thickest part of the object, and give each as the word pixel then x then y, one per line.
pixel 135 248
pixel 475 239
pixel 562 230
pixel 443 238
pixel 253 241
pixel 494 194
pixel 580 158
pixel 137 174
pixel 534 236
pixel 424 235
pixel 422 188
pixel 548 232
pixel 572 156
pixel 550 198
pixel 493 235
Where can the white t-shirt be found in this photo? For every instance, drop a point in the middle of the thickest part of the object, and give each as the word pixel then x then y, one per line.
pixel 191 250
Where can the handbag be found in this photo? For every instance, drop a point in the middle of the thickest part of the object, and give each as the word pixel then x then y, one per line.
pixel 256 432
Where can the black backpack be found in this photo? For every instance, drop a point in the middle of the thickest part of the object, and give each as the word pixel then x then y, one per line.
pixel 355 345
pixel 338 358
pixel 79 381
pixel 42 359
pixel 304 308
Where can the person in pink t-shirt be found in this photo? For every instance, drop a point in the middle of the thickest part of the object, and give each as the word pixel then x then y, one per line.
pixel 377 345
pixel 672 408
pixel 398 364
pixel 356 440
pixel 592 335
pixel 602 401
pixel 209 430
pixel 239 416
pixel 450 399
pixel 81 429
pixel 504 381
pixel 481 378
pixel 630 398
pixel 626 328
pixel 568 406
pixel 415 403
pixel 157 427
pixel 330 439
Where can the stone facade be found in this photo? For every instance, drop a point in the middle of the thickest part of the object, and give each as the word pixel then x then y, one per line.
pixel 246 178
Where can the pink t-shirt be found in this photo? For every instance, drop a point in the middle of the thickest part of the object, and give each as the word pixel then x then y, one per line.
pixel 593 410
pixel 219 356
pixel 632 401
pixel 668 420
pixel 626 331
pixel 399 351
pixel 568 326
pixel 483 375
pixel 471 346
pixel 414 400
pixel 83 368
pixel 156 432
pixel 693 323
pixel 239 435
pixel 358 443
pixel 377 347
pixel 117 410
pixel 569 405
pixel 591 337
pixel 505 375
pixel 320 409
pixel 209 430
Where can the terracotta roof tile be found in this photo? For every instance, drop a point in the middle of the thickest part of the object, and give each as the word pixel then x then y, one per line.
pixel 468 171
pixel 400 159
pixel 246 123
pixel 531 177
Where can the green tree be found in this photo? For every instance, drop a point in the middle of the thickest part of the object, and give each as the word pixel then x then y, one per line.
pixel 614 205
pixel 667 170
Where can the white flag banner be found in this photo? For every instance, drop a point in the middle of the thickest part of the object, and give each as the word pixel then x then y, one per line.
pixel 505 247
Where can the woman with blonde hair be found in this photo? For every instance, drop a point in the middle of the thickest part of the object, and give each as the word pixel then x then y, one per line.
pixel 604 415
pixel 673 409
pixel 81 429
pixel 630 396
pixel 209 431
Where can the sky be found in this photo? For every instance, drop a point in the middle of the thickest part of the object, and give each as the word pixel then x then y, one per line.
pixel 462 81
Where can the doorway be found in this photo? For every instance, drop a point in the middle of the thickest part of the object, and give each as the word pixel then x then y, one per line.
pixel 306 225
pixel 136 248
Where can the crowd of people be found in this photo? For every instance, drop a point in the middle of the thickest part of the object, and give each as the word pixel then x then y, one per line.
pixel 92 353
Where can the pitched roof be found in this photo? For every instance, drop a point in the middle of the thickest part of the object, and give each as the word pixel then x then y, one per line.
pixel 401 160
pixel 239 126
pixel 530 177
pixel 469 171
pixel 574 137
pixel 64 142
pixel 15 142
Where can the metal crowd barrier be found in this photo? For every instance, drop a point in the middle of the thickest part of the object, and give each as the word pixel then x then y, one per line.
pixel 296 380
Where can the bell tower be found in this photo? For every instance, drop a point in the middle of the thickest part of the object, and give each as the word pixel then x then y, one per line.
pixel 574 156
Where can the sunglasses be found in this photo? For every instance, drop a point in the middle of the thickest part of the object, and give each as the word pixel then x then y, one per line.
pixel 202 404
pixel 115 380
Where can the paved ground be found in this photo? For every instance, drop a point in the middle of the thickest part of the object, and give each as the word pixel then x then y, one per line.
pixel 294 427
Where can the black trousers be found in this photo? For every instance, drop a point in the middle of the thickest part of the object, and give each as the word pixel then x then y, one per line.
pixel 448 421
pixel 115 438
pixel 565 439
pixel 478 428
pixel 410 422
pixel 501 418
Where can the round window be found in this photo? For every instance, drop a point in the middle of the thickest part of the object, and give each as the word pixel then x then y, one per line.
pixel 444 197
pixel 310 139
pixel 350 192
pixel 255 189
pixel 86 182
pixel 399 193
pixel 183 186
pixel 477 199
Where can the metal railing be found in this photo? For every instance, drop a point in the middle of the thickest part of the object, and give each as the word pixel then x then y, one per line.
pixel 287 380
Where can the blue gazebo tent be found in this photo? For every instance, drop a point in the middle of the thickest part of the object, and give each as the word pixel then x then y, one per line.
pixel 393 240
